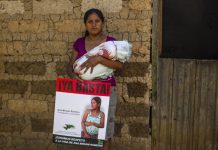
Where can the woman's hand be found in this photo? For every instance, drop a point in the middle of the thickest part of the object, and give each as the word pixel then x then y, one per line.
pixel 90 63
pixel 77 77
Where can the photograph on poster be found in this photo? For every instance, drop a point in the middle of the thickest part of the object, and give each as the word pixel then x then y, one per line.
pixel 93 119
pixel 71 108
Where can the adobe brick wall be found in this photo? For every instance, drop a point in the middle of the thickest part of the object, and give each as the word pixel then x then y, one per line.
pixel 35 41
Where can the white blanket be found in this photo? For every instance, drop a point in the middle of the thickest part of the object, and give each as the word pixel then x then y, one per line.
pixel 114 50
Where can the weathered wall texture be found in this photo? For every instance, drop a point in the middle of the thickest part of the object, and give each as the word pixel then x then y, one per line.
pixel 35 41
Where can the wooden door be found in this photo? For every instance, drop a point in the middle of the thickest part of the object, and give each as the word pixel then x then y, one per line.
pixel 186 109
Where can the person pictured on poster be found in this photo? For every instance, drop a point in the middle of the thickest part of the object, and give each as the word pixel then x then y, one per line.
pixel 94 24
pixel 93 119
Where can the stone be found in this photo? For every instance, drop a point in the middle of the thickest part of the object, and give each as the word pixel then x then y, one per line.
pixel 41 125
pixel 25 68
pixel 2 69
pixel 70 147
pixel 25 143
pixel 135 37
pixel 34 26
pixel 48 47
pixel 11 7
pixel 61 68
pixel 13 86
pixel 26 106
pixel 144 49
pixel 12 124
pixel 52 146
pixel 78 12
pixel 1 103
pixel 119 88
pixel 130 145
pixel 139 130
pixel 136 46
pixel 132 69
pixel 70 26
pixel 117 129
pixel 73 37
pixel 105 5
pixel 137 89
pixel 43 36
pixel 132 14
pixel 55 17
pixel 43 87
pixel 125 36
pixel 3 48
pixel 3 141
pixel 57 36
pixel 14 48
pixel 145 14
pixel 144 26
pixel 6 36
pixel 24 36
pixel 18 48
pixel 132 25
pixel 28 5
pixel 50 7
pixel 27 15
pixel 33 37
pixel 132 109
pixel 140 4
pixel 145 37
pixel 124 13
pixel 125 130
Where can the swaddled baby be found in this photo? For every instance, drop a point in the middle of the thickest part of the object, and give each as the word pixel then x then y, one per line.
pixel 114 50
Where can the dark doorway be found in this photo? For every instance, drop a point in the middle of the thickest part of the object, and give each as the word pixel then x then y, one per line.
pixel 190 29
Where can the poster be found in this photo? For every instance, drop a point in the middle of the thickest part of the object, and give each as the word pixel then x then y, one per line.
pixel 75 102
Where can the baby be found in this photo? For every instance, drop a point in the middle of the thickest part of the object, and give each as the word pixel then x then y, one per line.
pixel 114 50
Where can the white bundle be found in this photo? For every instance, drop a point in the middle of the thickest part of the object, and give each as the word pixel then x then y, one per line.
pixel 114 50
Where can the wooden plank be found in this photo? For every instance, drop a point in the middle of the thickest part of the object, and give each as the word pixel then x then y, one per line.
pixel 182 103
pixel 189 97
pixel 164 97
pixel 187 105
pixel 156 46
pixel 176 105
pixel 211 103
pixel 215 141
pixel 169 108
pixel 201 97
pixel 196 109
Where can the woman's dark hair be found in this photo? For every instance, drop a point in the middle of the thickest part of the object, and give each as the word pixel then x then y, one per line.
pixel 97 100
pixel 92 11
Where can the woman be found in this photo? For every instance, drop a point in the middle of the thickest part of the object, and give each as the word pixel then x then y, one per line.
pixel 93 119
pixel 94 23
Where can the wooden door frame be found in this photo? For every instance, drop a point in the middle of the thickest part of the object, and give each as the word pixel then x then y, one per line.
pixel 156 50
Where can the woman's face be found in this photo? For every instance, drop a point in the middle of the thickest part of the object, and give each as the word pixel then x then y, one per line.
pixel 94 24
pixel 94 104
